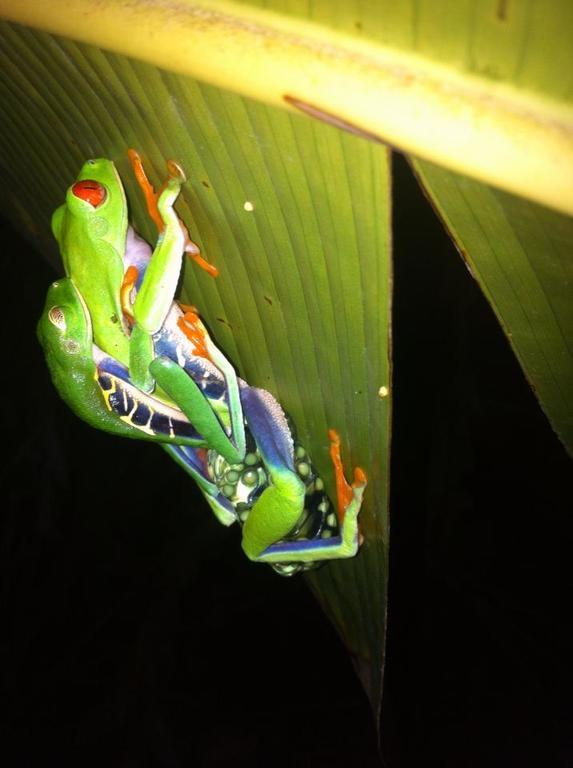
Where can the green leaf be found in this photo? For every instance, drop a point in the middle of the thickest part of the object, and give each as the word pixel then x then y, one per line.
pixel 520 254
pixel 293 212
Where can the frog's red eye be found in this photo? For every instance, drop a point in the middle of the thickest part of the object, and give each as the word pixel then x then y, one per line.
pixel 91 191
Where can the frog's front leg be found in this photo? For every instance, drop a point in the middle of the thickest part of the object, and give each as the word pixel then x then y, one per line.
pixel 151 197
pixel 190 399
pixel 157 291
pixel 281 505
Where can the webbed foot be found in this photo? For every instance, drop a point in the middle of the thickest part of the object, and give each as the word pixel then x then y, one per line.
pixel 344 492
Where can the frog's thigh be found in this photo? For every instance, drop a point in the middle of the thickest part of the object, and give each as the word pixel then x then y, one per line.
pixel 275 513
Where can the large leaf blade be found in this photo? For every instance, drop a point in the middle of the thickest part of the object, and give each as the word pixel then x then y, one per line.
pixel 296 216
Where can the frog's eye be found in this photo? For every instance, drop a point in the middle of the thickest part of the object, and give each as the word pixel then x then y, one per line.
pixel 56 317
pixel 91 192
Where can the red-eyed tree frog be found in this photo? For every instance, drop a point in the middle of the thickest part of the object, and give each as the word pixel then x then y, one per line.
pixel 171 383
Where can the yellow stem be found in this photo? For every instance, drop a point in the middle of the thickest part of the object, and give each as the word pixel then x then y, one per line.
pixel 494 132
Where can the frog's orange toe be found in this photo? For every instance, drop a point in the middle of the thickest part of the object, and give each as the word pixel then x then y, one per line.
pixel 188 308
pixel 359 477
pixel 175 171
pixel 333 436
pixel 192 250
pixel 133 155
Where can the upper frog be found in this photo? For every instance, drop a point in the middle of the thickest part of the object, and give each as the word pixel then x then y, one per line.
pixel 92 231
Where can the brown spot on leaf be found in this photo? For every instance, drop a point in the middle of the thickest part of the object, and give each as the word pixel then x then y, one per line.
pixel 502 9
pixel 268 300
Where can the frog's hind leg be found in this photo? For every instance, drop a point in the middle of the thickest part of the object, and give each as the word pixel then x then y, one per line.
pixel 191 461
pixel 324 547
pixel 190 399
pixel 191 325
pixel 275 513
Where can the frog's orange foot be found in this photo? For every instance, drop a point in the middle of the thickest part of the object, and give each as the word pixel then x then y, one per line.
pixel 196 335
pixel 360 478
pixel 188 308
pixel 146 186
pixel 344 491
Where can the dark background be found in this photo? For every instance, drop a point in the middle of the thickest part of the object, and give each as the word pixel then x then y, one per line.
pixel 120 648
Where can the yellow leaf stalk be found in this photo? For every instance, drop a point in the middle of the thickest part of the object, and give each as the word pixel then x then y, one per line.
pixel 494 132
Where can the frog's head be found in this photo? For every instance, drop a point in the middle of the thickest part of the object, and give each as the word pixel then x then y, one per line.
pixel 96 199
pixel 65 331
